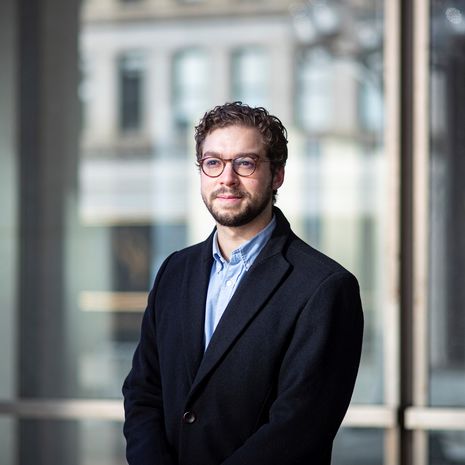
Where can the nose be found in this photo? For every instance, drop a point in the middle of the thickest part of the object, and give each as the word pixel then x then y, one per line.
pixel 229 177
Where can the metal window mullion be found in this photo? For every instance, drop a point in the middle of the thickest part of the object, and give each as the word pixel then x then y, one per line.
pixel 71 409
pixel 420 219
pixel 358 416
pixel 392 150
pixel 427 418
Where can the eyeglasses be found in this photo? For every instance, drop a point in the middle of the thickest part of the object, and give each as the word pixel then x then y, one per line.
pixel 243 166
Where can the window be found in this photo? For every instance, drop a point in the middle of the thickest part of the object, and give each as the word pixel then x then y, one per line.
pixel 82 232
pixel 370 95
pixel 131 81
pixel 313 96
pixel 447 219
pixel 190 95
pixel 250 76
pixel 190 85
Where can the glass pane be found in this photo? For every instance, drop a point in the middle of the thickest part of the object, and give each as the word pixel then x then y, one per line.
pixel 8 202
pixel 131 81
pixel 8 444
pixel 109 205
pixel 447 223
pixel 60 442
pixel 191 84
pixel 337 165
pixel 447 448
pixel 250 76
pixel 356 446
pixel 103 208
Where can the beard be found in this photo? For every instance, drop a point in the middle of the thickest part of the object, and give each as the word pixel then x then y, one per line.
pixel 238 216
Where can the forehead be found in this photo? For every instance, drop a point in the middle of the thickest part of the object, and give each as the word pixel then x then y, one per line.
pixel 232 140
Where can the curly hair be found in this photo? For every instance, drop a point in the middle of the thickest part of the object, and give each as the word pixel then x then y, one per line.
pixel 273 132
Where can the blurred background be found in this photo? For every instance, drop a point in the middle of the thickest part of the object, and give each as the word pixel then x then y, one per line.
pixel 98 184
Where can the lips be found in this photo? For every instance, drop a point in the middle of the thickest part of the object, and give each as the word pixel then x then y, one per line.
pixel 227 195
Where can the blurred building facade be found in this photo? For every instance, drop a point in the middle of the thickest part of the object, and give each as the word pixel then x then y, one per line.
pixel 99 184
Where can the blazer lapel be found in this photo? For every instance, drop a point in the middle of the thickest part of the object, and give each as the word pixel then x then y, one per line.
pixel 249 298
pixel 194 289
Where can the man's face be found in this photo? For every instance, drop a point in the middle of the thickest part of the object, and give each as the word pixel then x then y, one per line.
pixel 235 200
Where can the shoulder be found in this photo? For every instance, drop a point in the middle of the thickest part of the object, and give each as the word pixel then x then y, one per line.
pixel 300 253
pixel 309 267
pixel 314 270
pixel 194 252
pixel 184 259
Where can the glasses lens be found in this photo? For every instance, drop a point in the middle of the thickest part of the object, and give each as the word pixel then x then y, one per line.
pixel 212 166
pixel 244 166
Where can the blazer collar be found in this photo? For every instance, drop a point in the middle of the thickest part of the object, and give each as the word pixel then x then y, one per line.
pixel 194 293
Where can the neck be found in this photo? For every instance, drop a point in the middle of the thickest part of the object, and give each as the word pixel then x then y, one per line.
pixel 230 238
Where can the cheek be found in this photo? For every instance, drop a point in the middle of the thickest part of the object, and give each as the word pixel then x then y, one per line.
pixel 204 182
pixel 257 187
pixel 207 186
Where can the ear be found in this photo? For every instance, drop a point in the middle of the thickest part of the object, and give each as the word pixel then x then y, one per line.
pixel 278 178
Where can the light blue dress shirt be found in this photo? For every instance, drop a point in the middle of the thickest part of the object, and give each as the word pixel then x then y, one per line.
pixel 225 276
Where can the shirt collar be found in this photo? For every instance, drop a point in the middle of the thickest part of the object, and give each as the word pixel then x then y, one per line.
pixel 247 252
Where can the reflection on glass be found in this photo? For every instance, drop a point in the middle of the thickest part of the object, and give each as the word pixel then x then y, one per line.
pixel 370 94
pixel 8 440
pixel 128 204
pixel 60 442
pixel 446 448
pixel 10 195
pixel 131 80
pixel 340 164
pixel 356 446
pixel 313 99
pixel 113 208
pixel 101 443
pixel 447 172
pixel 190 96
pixel 191 85
pixel 250 76
pixel 135 200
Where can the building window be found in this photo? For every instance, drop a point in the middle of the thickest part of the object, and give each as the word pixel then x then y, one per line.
pixel 190 85
pixel 190 95
pixel 314 84
pixel 131 80
pixel 370 94
pixel 85 91
pixel 250 76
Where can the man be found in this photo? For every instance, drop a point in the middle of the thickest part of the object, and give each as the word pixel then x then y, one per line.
pixel 251 340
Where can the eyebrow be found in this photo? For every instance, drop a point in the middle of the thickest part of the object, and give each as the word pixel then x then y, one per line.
pixel 238 155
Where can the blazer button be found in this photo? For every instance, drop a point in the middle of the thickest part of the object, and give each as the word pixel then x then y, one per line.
pixel 189 417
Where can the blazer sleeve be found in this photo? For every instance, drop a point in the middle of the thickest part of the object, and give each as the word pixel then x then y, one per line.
pixel 316 380
pixel 146 442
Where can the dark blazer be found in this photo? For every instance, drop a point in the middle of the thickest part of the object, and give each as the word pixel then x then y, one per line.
pixel 276 379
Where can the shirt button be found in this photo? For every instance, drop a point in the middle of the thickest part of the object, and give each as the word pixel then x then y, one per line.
pixel 229 282
pixel 189 417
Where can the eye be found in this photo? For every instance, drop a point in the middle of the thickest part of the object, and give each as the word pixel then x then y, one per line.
pixel 244 162
pixel 211 163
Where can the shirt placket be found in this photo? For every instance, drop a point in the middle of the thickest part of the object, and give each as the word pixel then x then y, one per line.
pixel 229 280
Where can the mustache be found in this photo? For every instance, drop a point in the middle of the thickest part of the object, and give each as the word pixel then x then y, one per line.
pixel 233 192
